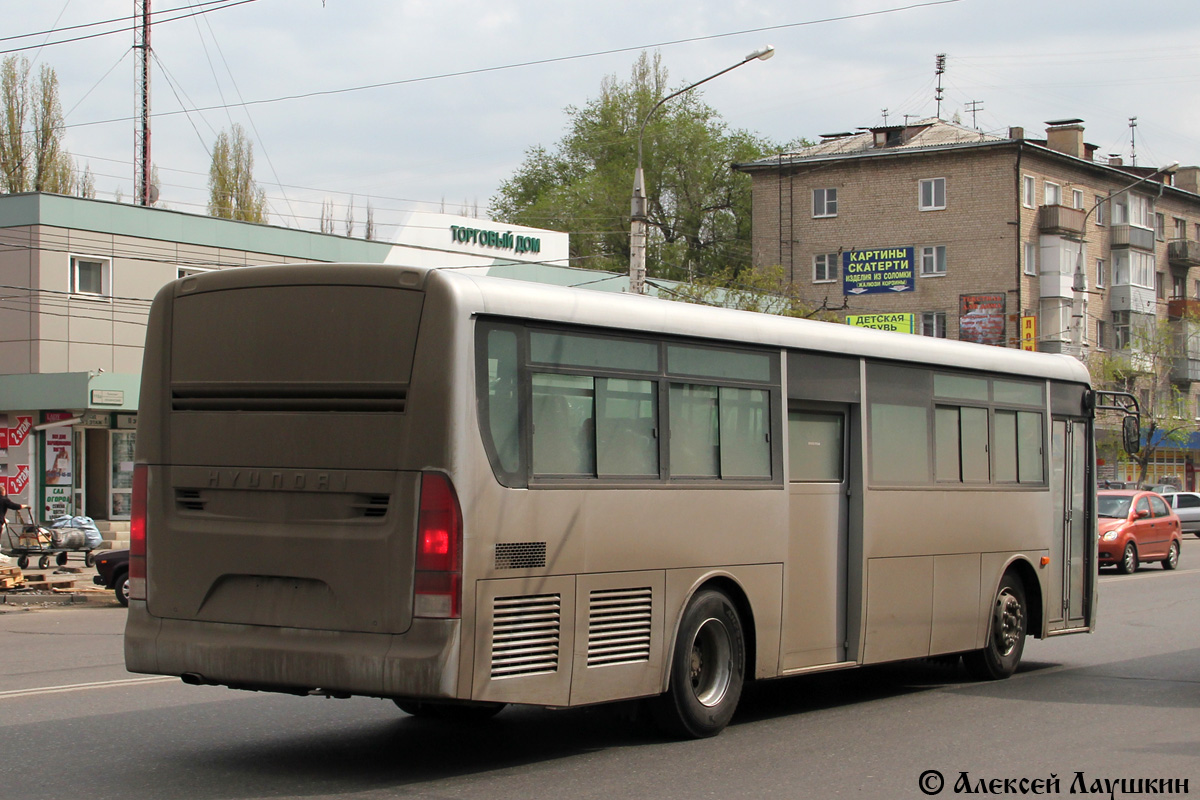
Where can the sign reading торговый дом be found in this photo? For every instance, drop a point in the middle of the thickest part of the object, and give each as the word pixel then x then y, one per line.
pixel 888 269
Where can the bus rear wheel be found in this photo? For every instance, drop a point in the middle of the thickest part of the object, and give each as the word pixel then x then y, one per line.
pixel 708 665
pixel 1006 634
pixel 449 712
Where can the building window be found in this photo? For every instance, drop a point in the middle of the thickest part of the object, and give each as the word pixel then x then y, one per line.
pixel 1178 287
pixel 933 323
pixel 1160 286
pixel 1103 335
pixel 1160 227
pixel 1101 278
pixel 1031 249
pixel 1052 194
pixel 1180 228
pixel 1077 198
pixel 187 272
pixel 1120 330
pixel 824 202
pixel 90 276
pixel 825 267
pixel 933 194
pixel 933 260
pixel 1132 267
pixel 1099 210
pixel 1028 197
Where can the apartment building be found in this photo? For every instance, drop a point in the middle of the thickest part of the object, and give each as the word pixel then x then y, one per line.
pixel 942 230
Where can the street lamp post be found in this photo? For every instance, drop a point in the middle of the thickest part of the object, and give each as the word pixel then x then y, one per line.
pixel 637 230
pixel 1079 283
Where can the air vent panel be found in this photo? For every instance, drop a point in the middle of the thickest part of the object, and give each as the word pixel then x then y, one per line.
pixel 619 626
pixel 520 555
pixel 526 633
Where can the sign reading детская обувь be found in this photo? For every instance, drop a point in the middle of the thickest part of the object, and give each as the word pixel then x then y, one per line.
pixel 888 269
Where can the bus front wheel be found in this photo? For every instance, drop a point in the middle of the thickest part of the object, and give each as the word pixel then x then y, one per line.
pixel 1006 634
pixel 707 669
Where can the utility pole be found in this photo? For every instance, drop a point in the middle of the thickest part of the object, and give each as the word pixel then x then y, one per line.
pixel 141 133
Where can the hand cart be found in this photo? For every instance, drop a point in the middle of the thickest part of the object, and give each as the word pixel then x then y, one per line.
pixel 26 539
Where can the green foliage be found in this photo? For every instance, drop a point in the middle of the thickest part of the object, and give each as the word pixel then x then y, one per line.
pixel 232 192
pixel 698 208
pixel 32 157
pixel 1143 369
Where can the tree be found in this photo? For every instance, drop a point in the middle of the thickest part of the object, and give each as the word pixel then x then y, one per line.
pixel 1144 368
pixel 698 208
pixel 32 157
pixel 232 192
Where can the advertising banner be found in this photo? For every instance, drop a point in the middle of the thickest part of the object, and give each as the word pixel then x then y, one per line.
pixel 17 433
pixel 877 271
pixel 904 323
pixel 20 482
pixel 981 318
pixel 1029 333
pixel 58 450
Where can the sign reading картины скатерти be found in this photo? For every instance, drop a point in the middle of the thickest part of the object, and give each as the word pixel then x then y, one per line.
pixel 888 269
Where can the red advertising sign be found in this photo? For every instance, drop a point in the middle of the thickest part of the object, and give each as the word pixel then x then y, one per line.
pixel 18 484
pixel 4 483
pixel 4 439
pixel 16 435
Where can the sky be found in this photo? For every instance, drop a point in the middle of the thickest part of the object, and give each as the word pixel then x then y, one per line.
pixel 431 104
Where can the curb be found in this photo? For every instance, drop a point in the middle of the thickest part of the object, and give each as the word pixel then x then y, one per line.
pixel 10 601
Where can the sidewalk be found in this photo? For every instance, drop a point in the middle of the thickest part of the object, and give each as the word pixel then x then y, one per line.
pixel 81 593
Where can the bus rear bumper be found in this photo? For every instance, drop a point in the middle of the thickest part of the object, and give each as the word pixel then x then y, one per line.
pixel 422 663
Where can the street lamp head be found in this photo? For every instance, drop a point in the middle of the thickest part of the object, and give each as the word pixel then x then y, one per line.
pixel 1170 169
pixel 762 53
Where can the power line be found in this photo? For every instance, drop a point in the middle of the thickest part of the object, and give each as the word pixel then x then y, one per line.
pixel 537 62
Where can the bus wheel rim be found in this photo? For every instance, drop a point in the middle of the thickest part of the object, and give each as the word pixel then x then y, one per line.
pixel 711 662
pixel 1009 622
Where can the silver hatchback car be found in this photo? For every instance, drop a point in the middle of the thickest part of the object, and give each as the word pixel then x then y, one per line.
pixel 1187 506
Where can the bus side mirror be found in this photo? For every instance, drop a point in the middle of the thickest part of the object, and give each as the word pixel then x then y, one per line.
pixel 1131 435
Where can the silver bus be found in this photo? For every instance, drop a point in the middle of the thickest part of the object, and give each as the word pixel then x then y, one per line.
pixel 458 492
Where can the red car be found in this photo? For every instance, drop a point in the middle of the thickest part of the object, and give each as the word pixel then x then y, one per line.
pixel 1137 526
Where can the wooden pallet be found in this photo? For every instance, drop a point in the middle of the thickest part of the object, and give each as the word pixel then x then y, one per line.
pixel 11 578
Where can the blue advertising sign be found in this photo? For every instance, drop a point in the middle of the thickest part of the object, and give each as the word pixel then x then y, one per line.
pixel 876 271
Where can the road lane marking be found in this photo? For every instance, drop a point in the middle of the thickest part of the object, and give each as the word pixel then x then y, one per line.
pixel 79 687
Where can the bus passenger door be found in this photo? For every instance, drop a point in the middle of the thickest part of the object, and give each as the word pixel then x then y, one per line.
pixel 1070 582
pixel 814 615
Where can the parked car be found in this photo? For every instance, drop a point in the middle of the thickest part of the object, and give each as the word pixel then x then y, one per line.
pixel 1159 488
pixel 1186 506
pixel 112 567
pixel 1137 526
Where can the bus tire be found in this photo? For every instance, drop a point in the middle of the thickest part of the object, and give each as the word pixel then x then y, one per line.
pixel 708 665
pixel 1007 626
pixel 449 712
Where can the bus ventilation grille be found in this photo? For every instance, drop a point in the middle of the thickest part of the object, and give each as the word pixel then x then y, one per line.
pixel 619 626
pixel 189 499
pixel 283 397
pixel 376 506
pixel 525 635
pixel 520 555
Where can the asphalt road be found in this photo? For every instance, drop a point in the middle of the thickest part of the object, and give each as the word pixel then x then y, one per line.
pixel 1121 703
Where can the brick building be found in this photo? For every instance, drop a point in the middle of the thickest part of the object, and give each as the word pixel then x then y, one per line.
pixel 942 230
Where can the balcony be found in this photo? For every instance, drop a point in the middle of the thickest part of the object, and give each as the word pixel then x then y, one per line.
pixel 1180 308
pixel 1127 297
pixel 1185 365
pixel 1131 236
pixel 1061 220
pixel 1183 253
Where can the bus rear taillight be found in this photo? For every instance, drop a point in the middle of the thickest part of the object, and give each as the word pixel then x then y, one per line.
pixel 137 535
pixel 438 587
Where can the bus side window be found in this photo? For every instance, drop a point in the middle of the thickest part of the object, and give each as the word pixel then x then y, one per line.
pixel 503 411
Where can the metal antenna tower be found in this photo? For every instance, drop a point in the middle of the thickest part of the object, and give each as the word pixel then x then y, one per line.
pixel 939 71
pixel 974 107
pixel 141 133
pixel 1133 141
